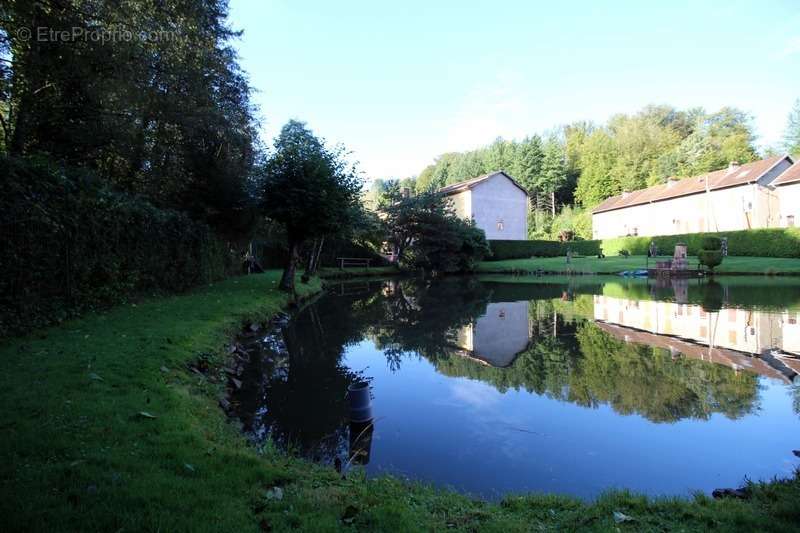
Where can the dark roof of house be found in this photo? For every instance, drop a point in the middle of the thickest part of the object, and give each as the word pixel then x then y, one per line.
pixel 470 184
pixel 790 176
pixel 732 176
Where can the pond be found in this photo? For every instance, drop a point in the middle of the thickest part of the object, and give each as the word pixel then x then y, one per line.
pixel 504 385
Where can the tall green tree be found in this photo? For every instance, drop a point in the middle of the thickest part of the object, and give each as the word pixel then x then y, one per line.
pixel 310 189
pixel 597 161
pixel 554 171
pixel 160 107
pixel 528 164
pixel 791 137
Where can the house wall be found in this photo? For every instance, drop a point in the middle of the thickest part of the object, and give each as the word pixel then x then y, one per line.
pixel 737 329
pixel 462 203
pixel 499 200
pixel 789 196
pixel 735 208
pixel 502 333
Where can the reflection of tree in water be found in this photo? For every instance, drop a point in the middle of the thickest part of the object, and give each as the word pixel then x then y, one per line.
pixel 425 317
pixel 796 398
pixel 635 378
pixel 300 392
pixel 594 368
pixel 299 399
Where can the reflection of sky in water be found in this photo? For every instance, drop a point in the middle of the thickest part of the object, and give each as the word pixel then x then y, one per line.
pixel 466 434
pixel 627 393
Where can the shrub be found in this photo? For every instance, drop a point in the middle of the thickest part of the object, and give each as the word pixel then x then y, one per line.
pixel 710 258
pixel 710 242
pixel 71 244
pixel 624 253
pixel 535 248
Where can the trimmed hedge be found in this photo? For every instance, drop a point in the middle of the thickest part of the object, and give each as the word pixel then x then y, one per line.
pixel 772 242
pixel 524 249
pixel 71 244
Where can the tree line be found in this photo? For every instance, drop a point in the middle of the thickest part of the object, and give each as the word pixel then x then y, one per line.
pixel 146 103
pixel 575 167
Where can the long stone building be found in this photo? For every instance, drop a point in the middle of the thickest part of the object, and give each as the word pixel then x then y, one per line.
pixel 761 194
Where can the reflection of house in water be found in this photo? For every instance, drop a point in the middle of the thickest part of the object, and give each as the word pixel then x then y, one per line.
pixel 499 335
pixel 723 336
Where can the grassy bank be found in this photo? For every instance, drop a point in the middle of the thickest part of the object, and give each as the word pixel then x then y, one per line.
pixel 105 429
pixel 615 264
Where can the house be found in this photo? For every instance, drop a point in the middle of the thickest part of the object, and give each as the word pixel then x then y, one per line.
pixel 788 188
pixel 735 198
pixel 495 201
pixel 728 336
pixel 499 335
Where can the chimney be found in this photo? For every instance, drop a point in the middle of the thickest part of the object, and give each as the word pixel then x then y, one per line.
pixel 732 166
pixel 406 192
pixel 625 194
pixel 672 180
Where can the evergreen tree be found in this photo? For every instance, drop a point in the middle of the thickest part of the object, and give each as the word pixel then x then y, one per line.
pixel 791 137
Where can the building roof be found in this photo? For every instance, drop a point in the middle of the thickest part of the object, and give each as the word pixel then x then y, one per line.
pixel 462 186
pixel 695 350
pixel 732 176
pixel 790 176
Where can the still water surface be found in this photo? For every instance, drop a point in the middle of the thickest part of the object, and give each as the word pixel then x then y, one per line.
pixel 493 387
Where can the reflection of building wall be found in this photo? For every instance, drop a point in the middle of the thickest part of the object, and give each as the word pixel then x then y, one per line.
pixel 791 332
pixel 499 335
pixel 743 330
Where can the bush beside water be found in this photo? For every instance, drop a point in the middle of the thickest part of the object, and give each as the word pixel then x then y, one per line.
pixel 71 244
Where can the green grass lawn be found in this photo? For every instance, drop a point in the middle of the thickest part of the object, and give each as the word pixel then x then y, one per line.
pixel 613 265
pixel 105 429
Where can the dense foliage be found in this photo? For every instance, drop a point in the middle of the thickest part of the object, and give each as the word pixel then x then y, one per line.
pixel 129 145
pixel 148 95
pixel 791 137
pixel 425 233
pixel 581 164
pixel 310 190
pixel 71 243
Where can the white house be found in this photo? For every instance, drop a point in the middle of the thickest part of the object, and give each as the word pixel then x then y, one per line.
pixel 788 188
pixel 736 198
pixel 496 202
pixel 498 336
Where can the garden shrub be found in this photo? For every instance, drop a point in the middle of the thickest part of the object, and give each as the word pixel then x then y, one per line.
pixel 711 242
pixel 71 244
pixel 710 258
pixel 540 248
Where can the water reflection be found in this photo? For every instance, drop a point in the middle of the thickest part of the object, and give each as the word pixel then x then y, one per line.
pixel 477 383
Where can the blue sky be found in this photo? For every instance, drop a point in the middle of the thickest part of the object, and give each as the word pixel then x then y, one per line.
pixel 401 82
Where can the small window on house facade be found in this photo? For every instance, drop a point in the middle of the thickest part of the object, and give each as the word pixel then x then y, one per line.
pixel 789 221
pixel 635 232
pixel 500 225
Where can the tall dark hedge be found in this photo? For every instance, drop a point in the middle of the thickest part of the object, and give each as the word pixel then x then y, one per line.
pixel 70 244
pixel 535 248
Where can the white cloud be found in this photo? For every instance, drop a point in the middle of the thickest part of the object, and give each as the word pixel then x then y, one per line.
pixel 474 393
